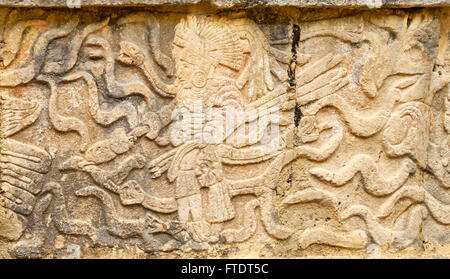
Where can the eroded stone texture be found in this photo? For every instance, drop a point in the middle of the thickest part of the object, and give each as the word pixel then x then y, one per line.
pixel 127 133
pixel 231 3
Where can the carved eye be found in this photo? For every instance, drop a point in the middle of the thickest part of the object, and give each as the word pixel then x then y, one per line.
pixel 198 79
pixel 94 53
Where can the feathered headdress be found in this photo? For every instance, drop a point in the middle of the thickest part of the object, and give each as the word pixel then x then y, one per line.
pixel 211 38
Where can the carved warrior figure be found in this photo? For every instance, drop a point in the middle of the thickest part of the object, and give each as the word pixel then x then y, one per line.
pixel 201 48
pixel 208 60
pixel 219 97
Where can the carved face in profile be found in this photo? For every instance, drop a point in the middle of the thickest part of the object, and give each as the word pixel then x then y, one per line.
pixel 192 70
pixel 202 46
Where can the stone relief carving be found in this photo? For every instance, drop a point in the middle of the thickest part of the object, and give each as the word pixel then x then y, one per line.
pixel 188 132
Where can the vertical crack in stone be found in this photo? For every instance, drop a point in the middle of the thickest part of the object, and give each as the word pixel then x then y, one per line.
pixel 297 115
pixel 293 62
pixel 292 87
pixel 291 71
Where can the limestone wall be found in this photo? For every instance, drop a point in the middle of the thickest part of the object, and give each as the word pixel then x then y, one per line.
pixel 171 129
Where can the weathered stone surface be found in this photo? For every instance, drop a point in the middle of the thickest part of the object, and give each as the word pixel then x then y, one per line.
pixel 302 133
pixel 232 3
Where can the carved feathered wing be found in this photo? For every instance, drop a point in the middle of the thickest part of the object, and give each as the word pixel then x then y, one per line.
pixel 22 169
pixel 17 114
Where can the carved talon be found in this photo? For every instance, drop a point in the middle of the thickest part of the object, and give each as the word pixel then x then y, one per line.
pixel 155 225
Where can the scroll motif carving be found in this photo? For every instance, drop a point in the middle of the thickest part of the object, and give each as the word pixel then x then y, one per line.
pixel 186 132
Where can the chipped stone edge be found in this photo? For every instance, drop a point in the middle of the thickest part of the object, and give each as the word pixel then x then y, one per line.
pixel 221 4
